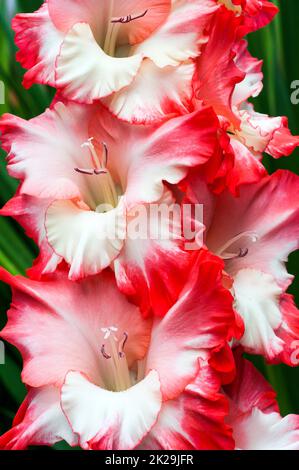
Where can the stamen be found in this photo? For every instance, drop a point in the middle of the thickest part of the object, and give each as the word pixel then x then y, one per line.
pixel 99 165
pixel 95 158
pixel 129 18
pixel 107 186
pixel 108 331
pixel 104 354
pixel 122 344
pixel 241 251
pixel 84 171
pixel 116 372
pixel 105 154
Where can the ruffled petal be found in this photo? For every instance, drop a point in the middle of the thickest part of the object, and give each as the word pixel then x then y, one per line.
pixel 254 414
pixel 154 263
pixel 30 212
pixel 266 431
pixel 99 16
pixel 257 298
pixel 192 421
pixel 39 44
pixel 252 84
pixel 180 36
pixel 155 94
pixel 217 74
pixel 175 147
pixel 267 214
pixel 88 241
pixel 202 320
pixel 288 331
pixel 255 14
pixel 88 77
pixel 258 13
pixel 44 151
pixel 262 133
pixel 107 420
pixel 39 421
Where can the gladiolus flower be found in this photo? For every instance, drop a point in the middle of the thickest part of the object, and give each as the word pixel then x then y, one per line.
pixel 139 56
pixel 83 176
pixel 254 234
pixel 110 368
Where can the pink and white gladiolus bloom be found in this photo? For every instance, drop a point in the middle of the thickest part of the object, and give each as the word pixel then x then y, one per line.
pixel 226 77
pixel 140 53
pixel 103 377
pixel 84 174
pixel 254 234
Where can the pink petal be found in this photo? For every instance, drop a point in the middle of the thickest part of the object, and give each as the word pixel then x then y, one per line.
pixel 261 133
pixel 202 320
pixel 154 264
pixel 39 43
pixel 98 16
pixel 217 73
pixel 252 84
pixel 194 421
pixel 39 421
pixel 179 38
pixel 30 213
pixel 44 151
pixel 68 317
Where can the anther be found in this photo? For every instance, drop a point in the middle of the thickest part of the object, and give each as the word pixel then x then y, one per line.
pixel 129 18
pixel 104 354
pixel 105 148
pixel 122 344
pixel 84 171
pixel 243 252
pixel 103 163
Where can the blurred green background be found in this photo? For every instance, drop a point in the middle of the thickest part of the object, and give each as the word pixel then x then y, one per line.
pixel 277 44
